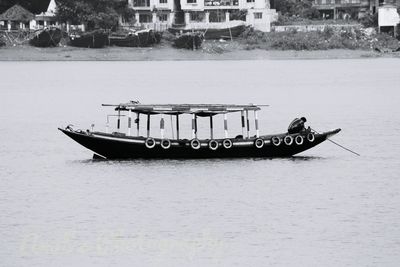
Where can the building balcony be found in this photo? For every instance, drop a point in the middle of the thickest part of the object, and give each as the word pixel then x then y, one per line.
pixel 327 4
pixel 140 4
pixel 221 4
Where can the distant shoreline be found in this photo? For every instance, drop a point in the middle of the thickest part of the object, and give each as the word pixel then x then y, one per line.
pixel 167 53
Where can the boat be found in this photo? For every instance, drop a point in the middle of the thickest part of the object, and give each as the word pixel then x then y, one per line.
pixel 93 39
pixel 126 145
pixel 47 37
pixel 216 31
pixel 141 38
pixel 189 40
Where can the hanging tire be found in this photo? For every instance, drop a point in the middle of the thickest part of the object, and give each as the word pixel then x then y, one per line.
pixel 227 143
pixel 276 141
pixel 195 143
pixel 310 137
pixel 299 140
pixel 150 142
pixel 288 140
pixel 259 143
pixel 213 145
pixel 165 143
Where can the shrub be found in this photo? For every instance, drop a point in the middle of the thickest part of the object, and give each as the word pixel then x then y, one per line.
pixel 369 20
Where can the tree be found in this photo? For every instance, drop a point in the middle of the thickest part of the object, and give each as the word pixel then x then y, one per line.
pixel 94 13
pixel 301 8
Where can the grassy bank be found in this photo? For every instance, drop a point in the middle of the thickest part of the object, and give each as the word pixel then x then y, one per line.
pixel 330 38
pixel 251 45
pixel 211 50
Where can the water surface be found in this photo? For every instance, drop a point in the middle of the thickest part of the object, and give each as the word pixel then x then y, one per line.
pixel 325 207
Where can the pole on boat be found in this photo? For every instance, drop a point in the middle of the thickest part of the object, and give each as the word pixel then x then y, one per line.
pixel 119 120
pixel 108 124
pixel 256 123
pixel 193 126
pixel 226 124
pixel 248 124
pixel 148 125
pixel 177 126
pixel 172 127
pixel 162 126
pixel 129 122
pixel 211 127
pixel 137 123
pixel 243 123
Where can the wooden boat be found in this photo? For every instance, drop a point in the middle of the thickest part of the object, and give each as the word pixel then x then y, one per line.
pixel 94 39
pixel 141 38
pixel 213 30
pixel 118 145
pixel 47 37
pixel 189 40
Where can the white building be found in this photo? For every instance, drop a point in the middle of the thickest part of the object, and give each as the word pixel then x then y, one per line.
pixel 45 19
pixel 202 13
pixel 155 14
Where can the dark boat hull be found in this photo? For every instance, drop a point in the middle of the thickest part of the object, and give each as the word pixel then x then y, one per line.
pixel 140 39
pixel 223 33
pixel 113 146
pixel 96 39
pixel 189 41
pixel 46 38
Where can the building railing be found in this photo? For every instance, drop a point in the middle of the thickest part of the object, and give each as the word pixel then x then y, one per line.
pixel 338 2
pixel 141 3
pixel 221 2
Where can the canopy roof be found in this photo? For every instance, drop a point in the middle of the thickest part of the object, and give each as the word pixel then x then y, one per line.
pixel 198 109
pixel 17 13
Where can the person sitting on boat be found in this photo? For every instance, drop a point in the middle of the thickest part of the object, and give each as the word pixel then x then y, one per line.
pixel 297 125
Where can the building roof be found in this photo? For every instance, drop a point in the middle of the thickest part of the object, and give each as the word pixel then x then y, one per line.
pixel 174 109
pixel 51 10
pixel 17 13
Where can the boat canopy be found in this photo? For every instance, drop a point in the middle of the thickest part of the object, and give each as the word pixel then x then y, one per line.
pixel 176 109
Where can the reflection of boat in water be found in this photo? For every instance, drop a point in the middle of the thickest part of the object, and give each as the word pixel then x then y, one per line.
pixel 141 38
pixel 46 37
pixel 125 145
pixel 221 30
pixel 189 40
pixel 94 39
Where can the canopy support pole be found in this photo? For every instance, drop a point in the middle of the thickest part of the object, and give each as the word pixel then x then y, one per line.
pixel 256 123
pixel 107 124
pixel 177 127
pixel 137 125
pixel 226 125
pixel 211 127
pixel 148 125
pixel 162 126
pixel 243 123
pixel 193 126
pixel 119 120
pixel 129 122
pixel 248 124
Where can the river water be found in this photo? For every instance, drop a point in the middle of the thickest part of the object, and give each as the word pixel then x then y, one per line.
pixel 325 207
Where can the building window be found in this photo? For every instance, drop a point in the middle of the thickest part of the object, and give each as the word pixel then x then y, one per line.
pixel 257 15
pixel 144 18
pixel 191 1
pixel 196 16
pixel 217 16
pixel 163 17
pixel 250 1
pixel 163 1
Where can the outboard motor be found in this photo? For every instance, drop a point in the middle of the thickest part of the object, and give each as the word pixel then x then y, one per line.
pixel 297 125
